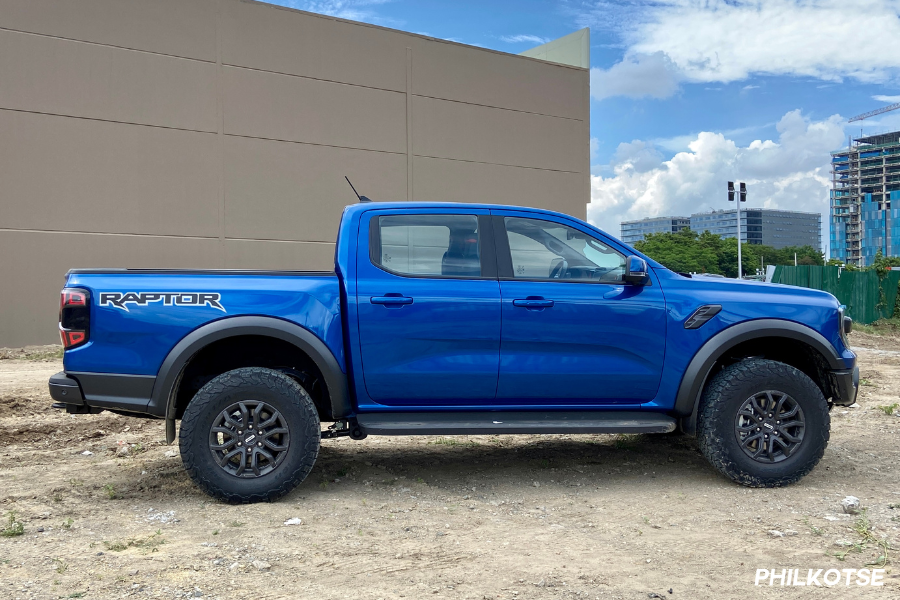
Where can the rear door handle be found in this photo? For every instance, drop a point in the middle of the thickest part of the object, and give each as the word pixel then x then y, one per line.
pixel 391 300
pixel 533 303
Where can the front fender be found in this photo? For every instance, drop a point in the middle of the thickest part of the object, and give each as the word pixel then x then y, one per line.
pixel 698 370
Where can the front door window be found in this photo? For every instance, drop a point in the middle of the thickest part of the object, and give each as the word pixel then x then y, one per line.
pixel 544 250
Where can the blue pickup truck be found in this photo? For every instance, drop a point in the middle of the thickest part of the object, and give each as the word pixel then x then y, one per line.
pixel 455 319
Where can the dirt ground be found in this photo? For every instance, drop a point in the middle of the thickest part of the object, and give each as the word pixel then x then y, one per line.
pixel 513 517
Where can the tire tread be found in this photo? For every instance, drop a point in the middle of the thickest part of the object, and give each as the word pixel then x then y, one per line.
pixel 278 383
pixel 713 410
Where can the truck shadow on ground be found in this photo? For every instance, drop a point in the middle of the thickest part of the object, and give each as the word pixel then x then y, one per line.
pixel 453 462
pixel 453 465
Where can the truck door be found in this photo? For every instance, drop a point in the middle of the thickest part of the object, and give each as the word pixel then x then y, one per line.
pixel 573 331
pixel 429 307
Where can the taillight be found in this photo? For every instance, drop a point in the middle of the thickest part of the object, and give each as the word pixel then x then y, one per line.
pixel 74 317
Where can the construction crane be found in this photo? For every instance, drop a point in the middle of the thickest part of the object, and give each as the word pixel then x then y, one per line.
pixel 877 111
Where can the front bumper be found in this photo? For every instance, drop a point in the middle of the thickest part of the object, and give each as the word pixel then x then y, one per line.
pixel 844 384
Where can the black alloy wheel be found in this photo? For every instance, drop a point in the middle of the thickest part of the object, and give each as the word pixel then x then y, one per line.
pixel 770 426
pixel 249 439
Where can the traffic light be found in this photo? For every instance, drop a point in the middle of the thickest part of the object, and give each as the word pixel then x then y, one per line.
pixel 731 191
pixel 743 192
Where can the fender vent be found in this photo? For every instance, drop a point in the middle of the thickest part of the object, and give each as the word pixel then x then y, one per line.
pixel 702 315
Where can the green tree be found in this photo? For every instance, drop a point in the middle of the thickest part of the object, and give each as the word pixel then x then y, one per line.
pixel 750 257
pixel 806 255
pixel 683 252
pixel 882 264
pixel 690 252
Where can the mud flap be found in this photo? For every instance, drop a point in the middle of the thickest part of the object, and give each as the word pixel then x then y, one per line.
pixel 170 430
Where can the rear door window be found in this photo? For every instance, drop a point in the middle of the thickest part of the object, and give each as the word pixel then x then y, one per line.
pixel 427 245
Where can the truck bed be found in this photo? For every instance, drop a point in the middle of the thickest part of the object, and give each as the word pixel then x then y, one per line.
pixel 139 315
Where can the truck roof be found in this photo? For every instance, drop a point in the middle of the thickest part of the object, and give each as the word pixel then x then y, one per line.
pixel 352 209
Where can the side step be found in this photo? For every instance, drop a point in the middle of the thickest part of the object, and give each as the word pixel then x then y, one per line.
pixel 481 423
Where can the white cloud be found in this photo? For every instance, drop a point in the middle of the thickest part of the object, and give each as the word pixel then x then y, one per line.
pixel 638 75
pixel 888 99
pixel 518 39
pixel 354 10
pixel 719 40
pixel 637 156
pixel 747 88
pixel 789 173
pixel 679 143
pixel 730 40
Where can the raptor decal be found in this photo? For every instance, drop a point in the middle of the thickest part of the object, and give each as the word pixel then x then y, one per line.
pixel 122 299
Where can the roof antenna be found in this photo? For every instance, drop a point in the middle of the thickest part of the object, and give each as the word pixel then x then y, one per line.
pixel 361 198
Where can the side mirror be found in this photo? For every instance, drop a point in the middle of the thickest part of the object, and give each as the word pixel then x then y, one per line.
pixel 636 271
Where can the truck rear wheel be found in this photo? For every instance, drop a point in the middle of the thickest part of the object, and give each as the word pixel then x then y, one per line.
pixel 763 423
pixel 250 435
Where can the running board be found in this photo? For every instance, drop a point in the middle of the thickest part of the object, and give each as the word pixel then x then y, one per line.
pixel 481 423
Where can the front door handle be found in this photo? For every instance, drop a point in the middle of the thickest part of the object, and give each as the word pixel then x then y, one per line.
pixel 391 300
pixel 533 302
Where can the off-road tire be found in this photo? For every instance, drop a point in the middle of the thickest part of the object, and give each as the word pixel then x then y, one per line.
pixel 251 383
pixel 718 411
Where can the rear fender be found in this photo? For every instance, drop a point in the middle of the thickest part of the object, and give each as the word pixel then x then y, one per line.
pixel 162 401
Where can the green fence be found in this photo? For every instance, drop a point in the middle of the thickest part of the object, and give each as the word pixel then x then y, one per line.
pixel 867 297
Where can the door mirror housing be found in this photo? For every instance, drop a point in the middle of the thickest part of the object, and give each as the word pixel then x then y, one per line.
pixel 636 271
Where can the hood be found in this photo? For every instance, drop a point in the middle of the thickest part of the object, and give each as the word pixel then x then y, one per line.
pixel 750 291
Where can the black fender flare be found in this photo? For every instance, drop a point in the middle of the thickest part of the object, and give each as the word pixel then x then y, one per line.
pixel 697 372
pixel 162 400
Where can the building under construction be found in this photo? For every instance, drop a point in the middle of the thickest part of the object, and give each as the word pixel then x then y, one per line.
pixel 865 178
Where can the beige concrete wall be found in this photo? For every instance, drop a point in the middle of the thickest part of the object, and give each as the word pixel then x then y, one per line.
pixel 216 134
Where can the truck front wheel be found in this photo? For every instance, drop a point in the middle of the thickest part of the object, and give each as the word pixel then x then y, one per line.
pixel 763 423
pixel 249 435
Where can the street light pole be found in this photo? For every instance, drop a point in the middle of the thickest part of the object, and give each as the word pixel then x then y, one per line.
pixel 742 198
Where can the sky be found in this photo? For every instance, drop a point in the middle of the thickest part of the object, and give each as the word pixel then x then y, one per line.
pixel 688 94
